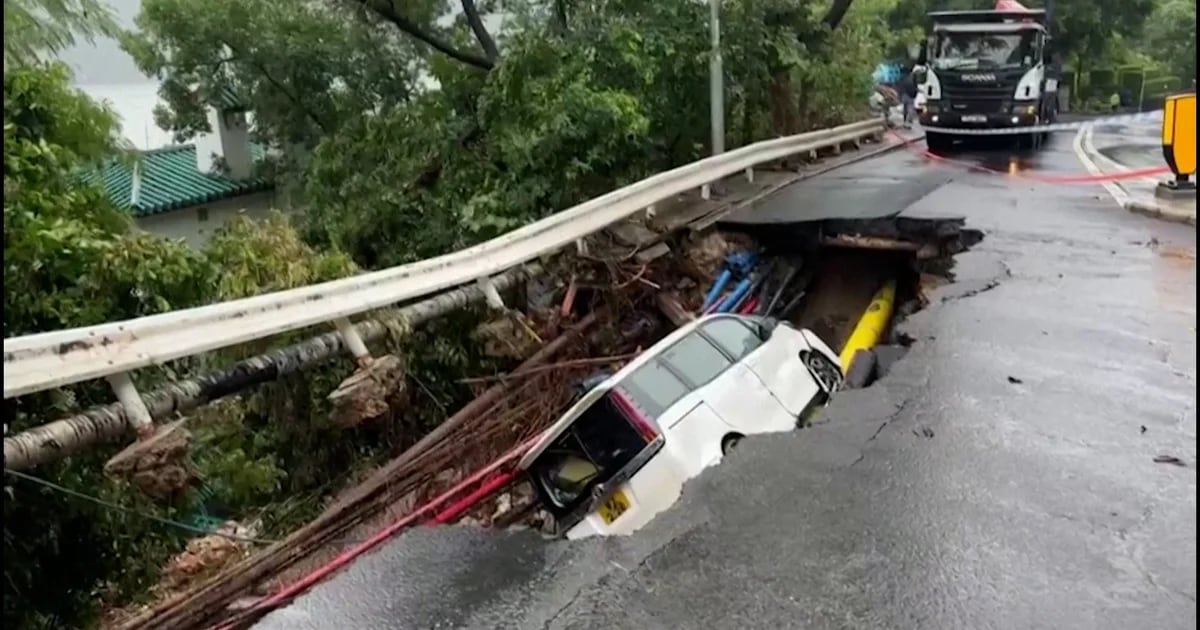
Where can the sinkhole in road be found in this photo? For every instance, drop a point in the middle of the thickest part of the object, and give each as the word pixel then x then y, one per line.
pixel 820 276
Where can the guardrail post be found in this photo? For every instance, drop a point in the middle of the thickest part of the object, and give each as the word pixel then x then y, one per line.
pixel 581 247
pixel 706 192
pixel 750 174
pixel 135 408
pixel 354 342
pixel 651 212
pixel 492 295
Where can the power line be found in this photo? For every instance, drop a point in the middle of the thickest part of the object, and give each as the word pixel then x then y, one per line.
pixel 120 508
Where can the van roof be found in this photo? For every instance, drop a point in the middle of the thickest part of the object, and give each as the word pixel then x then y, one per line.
pixel 597 392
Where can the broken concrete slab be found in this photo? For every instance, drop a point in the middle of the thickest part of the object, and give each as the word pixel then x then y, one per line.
pixel 157 465
pixel 370 392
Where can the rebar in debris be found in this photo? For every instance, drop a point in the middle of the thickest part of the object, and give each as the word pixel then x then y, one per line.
pixel 199 607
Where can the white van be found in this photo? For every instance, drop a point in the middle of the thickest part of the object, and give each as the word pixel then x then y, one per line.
pixel 622 453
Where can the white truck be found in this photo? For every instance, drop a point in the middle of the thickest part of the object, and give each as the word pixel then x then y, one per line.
pixel 987 70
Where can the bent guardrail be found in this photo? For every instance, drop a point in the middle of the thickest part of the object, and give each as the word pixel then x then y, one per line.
pixel 46 360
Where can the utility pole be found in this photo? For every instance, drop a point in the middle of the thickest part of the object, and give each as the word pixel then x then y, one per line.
pixel 716 79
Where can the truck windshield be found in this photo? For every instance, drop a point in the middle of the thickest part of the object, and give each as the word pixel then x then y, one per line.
pixel 972 51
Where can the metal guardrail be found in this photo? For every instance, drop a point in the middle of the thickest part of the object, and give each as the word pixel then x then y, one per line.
pixel 46 360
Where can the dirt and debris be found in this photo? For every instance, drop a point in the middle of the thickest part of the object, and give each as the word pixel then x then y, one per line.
pixel 205 556
pixel 510 336
pixel 371 392
pixel 159 465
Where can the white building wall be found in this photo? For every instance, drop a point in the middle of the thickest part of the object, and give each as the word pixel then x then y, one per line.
pixel 196 224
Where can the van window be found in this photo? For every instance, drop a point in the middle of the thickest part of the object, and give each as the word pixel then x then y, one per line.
pixel 696 359
pixel 652 388
pixel 598 445
pixel 734 337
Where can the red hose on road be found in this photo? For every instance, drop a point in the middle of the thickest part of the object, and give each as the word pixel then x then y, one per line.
pixel 1045 179
pixel 445 516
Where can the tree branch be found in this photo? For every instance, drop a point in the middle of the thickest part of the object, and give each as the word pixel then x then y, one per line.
pixel 387 11
pixel 836 13
pixel 560 15
pixel 316 120
pixel 485 39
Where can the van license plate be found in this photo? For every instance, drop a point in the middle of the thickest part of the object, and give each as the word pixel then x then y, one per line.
pixel 976 118
pixel 613 507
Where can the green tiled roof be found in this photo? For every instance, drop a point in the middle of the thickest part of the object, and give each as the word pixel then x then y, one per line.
pixel 167 179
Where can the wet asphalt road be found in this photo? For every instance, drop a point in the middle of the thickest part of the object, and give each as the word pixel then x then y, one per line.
pixel 1001 476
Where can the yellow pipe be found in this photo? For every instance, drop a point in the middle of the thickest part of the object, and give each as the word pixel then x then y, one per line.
pixel 871 325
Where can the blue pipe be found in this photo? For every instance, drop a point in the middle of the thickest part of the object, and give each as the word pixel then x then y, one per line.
pixel 717 287
pixel 735 298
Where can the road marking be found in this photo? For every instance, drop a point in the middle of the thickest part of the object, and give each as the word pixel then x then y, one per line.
pixel 1082 146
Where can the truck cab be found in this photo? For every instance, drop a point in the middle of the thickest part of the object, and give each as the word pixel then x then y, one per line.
pixel 987 70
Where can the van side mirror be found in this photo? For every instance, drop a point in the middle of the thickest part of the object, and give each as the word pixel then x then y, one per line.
pixel 767 327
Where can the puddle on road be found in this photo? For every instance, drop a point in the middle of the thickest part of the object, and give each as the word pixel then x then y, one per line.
pixel 1174 270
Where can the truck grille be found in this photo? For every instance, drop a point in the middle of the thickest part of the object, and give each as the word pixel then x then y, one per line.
pixel 977 105
pixel 970 92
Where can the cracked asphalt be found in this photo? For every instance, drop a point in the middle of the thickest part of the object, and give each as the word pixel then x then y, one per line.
pixel 1002 475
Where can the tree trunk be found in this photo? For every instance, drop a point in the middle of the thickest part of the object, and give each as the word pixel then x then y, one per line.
pixel 782 97
pixel 60 438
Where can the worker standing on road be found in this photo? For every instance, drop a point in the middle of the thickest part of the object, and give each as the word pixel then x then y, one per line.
pixel 907 87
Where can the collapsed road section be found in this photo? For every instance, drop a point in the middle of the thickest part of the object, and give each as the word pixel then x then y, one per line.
pixel 912 256
pixel 598 312
pixel 755 355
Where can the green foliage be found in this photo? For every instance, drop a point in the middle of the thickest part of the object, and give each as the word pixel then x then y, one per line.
pixel 1170 37
pixel 303 68
pixel 34 30
pixel 263 256
pixel 71 259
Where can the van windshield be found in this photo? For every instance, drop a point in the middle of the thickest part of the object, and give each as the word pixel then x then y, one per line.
pixel 598 445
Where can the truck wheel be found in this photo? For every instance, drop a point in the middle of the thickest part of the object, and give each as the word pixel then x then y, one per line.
pixel 938 142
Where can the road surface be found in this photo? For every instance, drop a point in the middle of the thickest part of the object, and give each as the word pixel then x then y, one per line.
pixel 1002 475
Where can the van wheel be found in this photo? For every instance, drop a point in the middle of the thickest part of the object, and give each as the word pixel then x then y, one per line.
pixel 729 442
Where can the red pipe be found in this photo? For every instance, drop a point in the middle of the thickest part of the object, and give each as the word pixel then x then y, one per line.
pixel 451 514
pixel 346 557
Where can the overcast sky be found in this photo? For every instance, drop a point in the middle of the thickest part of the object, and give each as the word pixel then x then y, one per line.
pixel 105 63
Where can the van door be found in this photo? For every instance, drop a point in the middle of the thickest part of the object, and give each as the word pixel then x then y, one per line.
pixel 779 365
pixel 776 363
pixel 741 399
